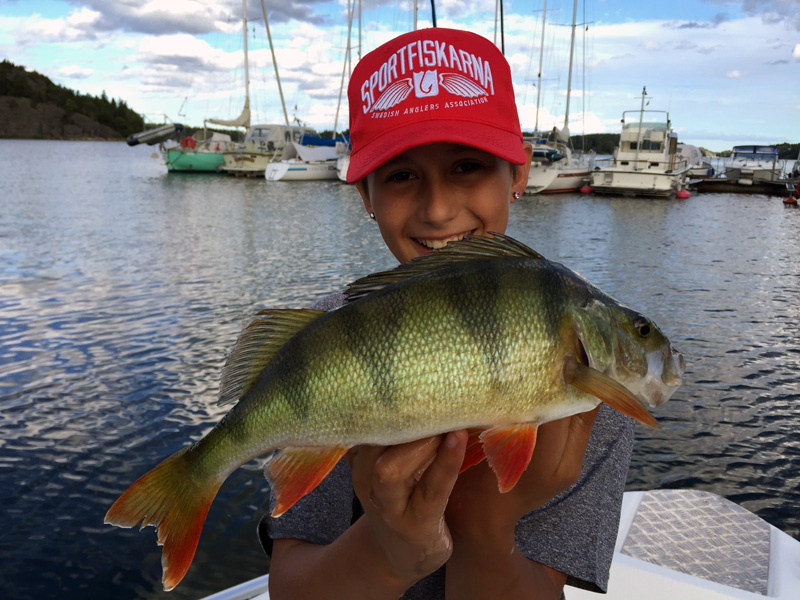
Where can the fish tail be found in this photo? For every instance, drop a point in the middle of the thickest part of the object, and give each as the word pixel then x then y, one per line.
pixel 174 498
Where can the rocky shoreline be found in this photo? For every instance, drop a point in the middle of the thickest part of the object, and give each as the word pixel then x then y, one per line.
pixel 20 118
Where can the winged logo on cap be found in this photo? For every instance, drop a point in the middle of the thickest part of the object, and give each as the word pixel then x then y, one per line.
pixel 458 85
pixel 394 94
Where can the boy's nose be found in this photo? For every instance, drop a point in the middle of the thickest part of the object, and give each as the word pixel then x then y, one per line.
pixel 437 205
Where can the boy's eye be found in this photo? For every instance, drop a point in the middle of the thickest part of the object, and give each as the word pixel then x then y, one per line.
pixel 468 166
pixel 399 176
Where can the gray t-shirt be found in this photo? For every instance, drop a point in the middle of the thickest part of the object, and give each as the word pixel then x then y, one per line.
pixel 574 533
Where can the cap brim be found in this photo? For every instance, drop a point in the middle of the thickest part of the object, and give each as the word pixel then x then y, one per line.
pixel 505 144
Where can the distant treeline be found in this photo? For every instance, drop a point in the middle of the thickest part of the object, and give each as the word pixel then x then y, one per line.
pixel 15 81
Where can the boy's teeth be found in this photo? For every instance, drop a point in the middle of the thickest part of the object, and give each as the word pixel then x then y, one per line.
pixel 436 244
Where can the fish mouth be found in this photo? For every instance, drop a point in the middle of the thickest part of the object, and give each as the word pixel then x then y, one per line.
pixel 431 244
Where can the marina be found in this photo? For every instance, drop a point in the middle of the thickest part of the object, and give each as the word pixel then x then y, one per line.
pixel 123 287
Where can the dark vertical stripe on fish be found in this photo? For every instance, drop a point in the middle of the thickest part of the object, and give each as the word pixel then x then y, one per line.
pixel 477 301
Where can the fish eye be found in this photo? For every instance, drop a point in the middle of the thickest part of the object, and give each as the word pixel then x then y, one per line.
pixel 642 326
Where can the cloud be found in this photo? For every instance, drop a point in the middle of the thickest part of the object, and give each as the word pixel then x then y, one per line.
pixel 718 19
pixel 75 72
pixel 796 51
pixel 771 11
pixel 733 74
pixel 79 25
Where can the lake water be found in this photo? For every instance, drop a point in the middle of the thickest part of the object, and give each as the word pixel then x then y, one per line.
pixel 123 288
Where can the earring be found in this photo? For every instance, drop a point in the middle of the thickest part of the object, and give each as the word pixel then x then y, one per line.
pixel 517 195
pixel 372 216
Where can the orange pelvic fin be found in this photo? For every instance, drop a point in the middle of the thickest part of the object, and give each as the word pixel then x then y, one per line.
pixel 602 387
pixel 474 453
pixel 294 472
pixel 509 450
pixel 176 504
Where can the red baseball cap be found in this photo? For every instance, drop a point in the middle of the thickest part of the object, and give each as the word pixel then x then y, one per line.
pixel 428 86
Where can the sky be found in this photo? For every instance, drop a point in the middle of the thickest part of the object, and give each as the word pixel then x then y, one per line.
pixel 727 71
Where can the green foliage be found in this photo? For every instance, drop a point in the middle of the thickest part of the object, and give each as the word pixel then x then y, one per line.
pixel 788 151
pixel 15 81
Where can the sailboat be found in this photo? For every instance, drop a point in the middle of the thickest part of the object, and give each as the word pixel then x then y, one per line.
pixel 204 152
pixel 555 167
pixel 263 143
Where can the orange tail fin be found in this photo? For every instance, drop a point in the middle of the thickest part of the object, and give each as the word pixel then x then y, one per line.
pixel 172 500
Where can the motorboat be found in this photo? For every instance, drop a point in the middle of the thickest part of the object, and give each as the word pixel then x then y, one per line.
pixel 687 544
pixel 753 164
pixel 646 162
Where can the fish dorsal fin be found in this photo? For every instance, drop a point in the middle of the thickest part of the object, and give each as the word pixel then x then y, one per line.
pixel 256 347
pixel 472 248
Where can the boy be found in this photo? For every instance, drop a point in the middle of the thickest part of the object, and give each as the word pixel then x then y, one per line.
pixel 438 154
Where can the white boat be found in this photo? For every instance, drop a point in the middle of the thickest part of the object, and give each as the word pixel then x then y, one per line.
pixel 753 164
pixel 699 165
pixel 675 545
pixel 304 163
pixel 646 162
pixel 342 160
pixel 555 167
pixel 263 144
pixel 693 545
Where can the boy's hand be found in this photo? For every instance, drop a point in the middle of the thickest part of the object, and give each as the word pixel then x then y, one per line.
pixel 477 507
pixel 404 491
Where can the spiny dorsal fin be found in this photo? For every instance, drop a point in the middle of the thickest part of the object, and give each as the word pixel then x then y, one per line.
pixel 472 248
pixel 256 346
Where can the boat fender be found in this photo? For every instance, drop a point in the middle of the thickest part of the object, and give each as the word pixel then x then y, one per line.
pixel 682 194
pixel 587 189
pixel 217 146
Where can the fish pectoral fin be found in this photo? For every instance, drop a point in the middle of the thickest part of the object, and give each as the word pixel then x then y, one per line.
pixel 474 453
pixel 294 472
pixel 509 450
pixel 602 387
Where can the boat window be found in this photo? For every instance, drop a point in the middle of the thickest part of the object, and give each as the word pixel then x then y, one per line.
pixel 647 145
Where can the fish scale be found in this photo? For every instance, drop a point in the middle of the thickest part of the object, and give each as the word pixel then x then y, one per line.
pixel 484 334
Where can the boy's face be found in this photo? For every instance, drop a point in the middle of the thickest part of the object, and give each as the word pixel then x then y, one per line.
pixel 437 193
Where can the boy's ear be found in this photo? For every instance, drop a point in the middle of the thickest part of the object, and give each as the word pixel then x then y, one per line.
pixel 521 172
pixel 362 189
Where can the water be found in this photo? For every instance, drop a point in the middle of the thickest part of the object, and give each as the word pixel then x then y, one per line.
pixel 123 288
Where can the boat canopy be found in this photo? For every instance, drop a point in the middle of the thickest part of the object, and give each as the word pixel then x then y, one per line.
pixel 309 153
pixel 313 140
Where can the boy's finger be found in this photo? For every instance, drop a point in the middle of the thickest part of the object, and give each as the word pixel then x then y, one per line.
pixel 436 483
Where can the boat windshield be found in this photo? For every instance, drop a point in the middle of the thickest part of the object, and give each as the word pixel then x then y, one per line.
pixel 645 125
pixel 756 152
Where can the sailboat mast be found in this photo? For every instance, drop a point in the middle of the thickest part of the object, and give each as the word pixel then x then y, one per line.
pixel 569 77
pixel 246 66
pixel 539 77
pixel 274 62
pixel 351 9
